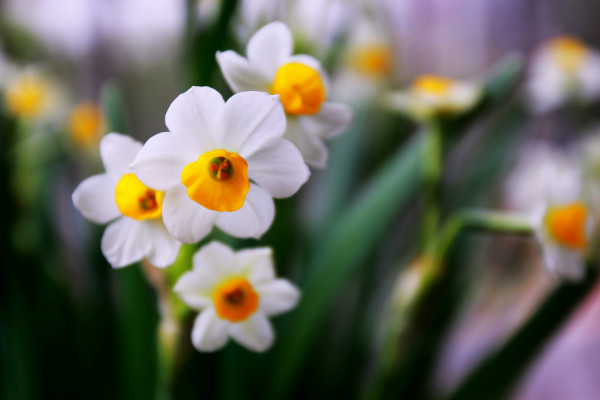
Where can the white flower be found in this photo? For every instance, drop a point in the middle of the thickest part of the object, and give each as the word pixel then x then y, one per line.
pixel 138 230
pixel 32 93
pixel 563 69
pixel 432 95
pixel 367 63
pixel 564 232
pixel 300 82
pixel 235 292
pixel 543 174
pixel 221 163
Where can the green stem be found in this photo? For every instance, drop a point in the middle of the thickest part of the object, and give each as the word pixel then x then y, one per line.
pixel 432 180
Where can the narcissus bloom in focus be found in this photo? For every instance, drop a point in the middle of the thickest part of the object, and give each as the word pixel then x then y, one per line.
pixel 235 292
pixel 221 164
pixel 432 95
pixel 300 83
pixel 138 230
pixel 562 70
pixel 564 232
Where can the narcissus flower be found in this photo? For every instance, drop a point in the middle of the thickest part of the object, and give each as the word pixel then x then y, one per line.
pixel 300 83
pixel 221 163
pixel 563 69
pixel 564 232
pixel 31 93
pixel 138 230
pixel 235 292
pixel 86 124
pixel 432 95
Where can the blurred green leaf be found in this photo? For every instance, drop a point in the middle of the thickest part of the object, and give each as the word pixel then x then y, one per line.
pixel 342 252
pixel 113 106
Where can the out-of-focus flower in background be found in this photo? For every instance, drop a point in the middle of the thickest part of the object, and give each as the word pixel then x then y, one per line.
pixel 138 230
pixel 431 95
pixel 563 69
pixel 300 82
pixel 86 125
pixel 235 292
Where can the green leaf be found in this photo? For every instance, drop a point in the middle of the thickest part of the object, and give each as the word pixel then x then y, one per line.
pixel 343 251
pixel 113 106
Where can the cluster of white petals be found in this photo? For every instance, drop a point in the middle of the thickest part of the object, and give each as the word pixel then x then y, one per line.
pixel 250 124
pixel 268 50
pixel 216 264
pixel 126 240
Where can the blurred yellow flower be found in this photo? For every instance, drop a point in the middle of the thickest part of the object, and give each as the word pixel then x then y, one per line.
pixel 86 124
pixel 28 96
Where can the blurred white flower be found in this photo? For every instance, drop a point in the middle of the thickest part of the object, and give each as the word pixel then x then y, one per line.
pixel 300 83
pixel 562 70
pixel 32 93
pixel 367 64
pixel 235 292
pixel 138 30
pixel 543 173
pixel 221 163
pixel 138 231
pixel 564 232
pixel 432 95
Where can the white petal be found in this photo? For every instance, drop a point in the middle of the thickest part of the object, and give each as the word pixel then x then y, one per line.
pixel 209 332
pixel 164 247
pixel 277 296
pixel 269 47
pixel 278 167
pixel 253 219
pixel 195 290
pixel 160 162
pixel 546 86
pixel 185 219
pixel 255 333
pixel 563 263
pixel 589 75
pixel 196 115
pixel 95 198
pixel 256 264
pixel 331 120
pixel 250 119
pixel 312 147
pixel 241 76
pixel 125 241
pixel 117 152
pixel 214 261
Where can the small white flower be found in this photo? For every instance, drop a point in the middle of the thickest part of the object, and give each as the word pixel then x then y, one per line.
pixel 432 95
pixel 299 81
pixel 368 63
pixel 564 232
pixel 563 69
pixel 221 163
pixel 32 93
pixel 138 230
pixel 543 174
pixel 235 292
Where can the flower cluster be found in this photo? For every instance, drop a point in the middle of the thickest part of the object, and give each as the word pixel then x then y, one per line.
pixel 220 164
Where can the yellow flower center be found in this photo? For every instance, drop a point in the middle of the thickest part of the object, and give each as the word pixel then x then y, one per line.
pixel 235 300
pixel 85 124
pixel 375 60
pixel 27 96
pixel 567 225
pixel 218 180
pixel 136 200
pixel 432 85
pixel 569 51
pixel 300 88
